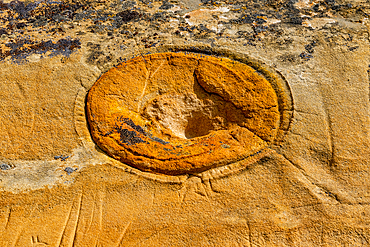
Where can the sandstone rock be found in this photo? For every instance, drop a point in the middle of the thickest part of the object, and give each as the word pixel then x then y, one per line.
pixel 291 110
pixel 179 114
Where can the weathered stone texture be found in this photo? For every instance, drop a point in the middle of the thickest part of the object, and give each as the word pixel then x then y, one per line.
pixel 305 182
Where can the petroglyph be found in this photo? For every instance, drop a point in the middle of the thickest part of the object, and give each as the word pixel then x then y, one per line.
pixel 176 113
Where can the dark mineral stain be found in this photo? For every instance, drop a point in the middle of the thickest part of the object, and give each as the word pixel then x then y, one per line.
pixel 22 48
pixel 244 18
pixel 128 4
pixel 309 50
pixel 288 58
pixel 130 123
pixel 94 56
pixel 166 5
pixel 129 137
pixel 297 20
pixel 128 15
pixel 48 11
pixel 61 157
pixel 156 139
pixel 310 47
pixel 23 10
pixel 46 16
pixel 330 2
pixel 70 170
pixel 206 1
pixel 3 31
pixel 316 7
pixel 132 137
pixel 305 56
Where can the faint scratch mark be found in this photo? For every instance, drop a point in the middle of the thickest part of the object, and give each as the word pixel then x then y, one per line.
pixel 362 236
pixel 240 237
pixel 22 226
pixel 21 89
pixel 37 243
pixel 18 237
pixel 201 189
pixel 153 235
pixel 8 219
pixel 76 222
pixel 207 184
pixel 120 240
pixel 211 187
pixel 65 225
pixel 329 126
pixel 102 197
pixel 65 240
pixel 181 195
pixel 314 182
pixel 148 76
pixel 143 57
pixel 198 186
pixel 249 233
pixel 306 138
pixel 153 198
pixel 97 209
pixel 92 214
pixel 308 113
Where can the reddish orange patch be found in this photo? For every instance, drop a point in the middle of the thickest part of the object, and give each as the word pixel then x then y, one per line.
pixel 175 113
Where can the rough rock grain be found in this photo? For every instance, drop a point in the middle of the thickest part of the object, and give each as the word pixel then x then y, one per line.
pixel 309 187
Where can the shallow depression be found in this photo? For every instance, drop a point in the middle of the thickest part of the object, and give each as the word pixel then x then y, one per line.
pixel 187 116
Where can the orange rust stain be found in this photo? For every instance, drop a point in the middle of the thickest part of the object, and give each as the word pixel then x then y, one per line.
pixel 175 113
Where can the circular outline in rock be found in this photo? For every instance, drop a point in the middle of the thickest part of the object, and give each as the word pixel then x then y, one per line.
pixel 279 84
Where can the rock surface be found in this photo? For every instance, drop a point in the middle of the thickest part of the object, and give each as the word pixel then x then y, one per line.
pixel 309 186
pixel 182 114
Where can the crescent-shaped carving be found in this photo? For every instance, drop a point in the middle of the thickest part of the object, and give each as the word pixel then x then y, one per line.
pixel 176 113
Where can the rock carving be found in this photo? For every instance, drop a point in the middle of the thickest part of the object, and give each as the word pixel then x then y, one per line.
pixel 176 113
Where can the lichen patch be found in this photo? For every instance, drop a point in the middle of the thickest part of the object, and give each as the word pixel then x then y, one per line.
pixel 176 113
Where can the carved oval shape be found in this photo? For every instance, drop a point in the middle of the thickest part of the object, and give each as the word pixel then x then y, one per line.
pixel 175 113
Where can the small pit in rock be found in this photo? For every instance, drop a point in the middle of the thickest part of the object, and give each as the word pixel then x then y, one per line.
pixel 188 116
